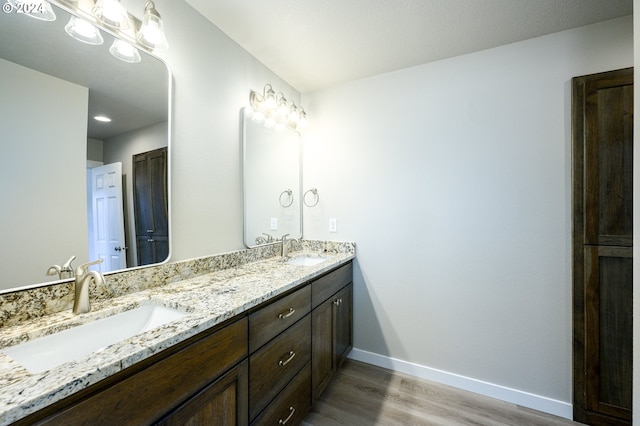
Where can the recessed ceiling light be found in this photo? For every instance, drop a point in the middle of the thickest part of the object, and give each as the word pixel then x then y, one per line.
pixel 102 118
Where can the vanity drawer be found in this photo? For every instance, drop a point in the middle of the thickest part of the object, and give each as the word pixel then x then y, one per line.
pixel 273 366
pixel 293 403
pixel 328 285
pixel 273 319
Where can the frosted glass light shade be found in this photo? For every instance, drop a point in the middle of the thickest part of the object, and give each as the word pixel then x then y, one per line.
pixel 111 13
pixel 124 51
pixel 83 31
pixel 151 33
pixel 39 9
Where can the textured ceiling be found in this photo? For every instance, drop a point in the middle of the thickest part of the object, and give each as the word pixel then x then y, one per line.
pixel 313 44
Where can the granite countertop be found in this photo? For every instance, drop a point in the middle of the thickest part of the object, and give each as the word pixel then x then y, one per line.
pixel 209 299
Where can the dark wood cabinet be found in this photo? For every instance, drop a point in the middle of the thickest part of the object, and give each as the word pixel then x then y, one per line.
pixel 151 206
pixel 147 391
pixel 222 403
pixel 257 368
pixel 603 247
pixel 332 328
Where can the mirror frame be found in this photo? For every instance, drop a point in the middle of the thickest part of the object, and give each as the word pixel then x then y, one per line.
pixel 169 89
pixel 244 120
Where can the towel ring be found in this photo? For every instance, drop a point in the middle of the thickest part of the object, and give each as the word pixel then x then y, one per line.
pixel 290 195
pixel 314 191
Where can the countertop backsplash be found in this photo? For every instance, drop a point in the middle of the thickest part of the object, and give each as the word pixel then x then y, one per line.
pixel 29 304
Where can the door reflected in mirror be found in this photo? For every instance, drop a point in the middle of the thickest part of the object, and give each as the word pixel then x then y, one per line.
pixel 52 86
pixel 271 182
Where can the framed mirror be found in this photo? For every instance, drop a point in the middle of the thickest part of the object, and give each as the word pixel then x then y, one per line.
pixel 52 86
pixel 272 175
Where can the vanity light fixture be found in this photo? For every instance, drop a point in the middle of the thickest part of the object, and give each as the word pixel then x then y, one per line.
pixel 39 9
pixel 83 31
pixel 274 110
pixel 132 35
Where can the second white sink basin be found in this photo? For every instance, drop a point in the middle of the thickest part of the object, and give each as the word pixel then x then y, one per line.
pixel 304 260
pixel 47 352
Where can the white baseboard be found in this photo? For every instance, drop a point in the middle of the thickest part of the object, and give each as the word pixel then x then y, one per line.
pixel 514 396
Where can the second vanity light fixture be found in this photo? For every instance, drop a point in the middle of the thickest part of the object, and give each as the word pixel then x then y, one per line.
pixel 274 110
pixel 132 34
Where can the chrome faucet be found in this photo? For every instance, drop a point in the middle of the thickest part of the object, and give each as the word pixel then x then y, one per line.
pixel 81 302
pixel 285 245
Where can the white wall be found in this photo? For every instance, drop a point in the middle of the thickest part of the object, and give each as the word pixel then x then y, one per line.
pixel 453 178
pixel 212 78
pixel 37 108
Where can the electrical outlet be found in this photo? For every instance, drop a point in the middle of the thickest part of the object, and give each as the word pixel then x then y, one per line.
pixel 333 224
pixel 274 223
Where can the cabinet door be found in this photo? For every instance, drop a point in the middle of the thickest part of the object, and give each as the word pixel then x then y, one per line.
pixel 223 403
pixel 152 249
pixel 343 324
pixel 609 321
pixel 321 347
pixel 332 337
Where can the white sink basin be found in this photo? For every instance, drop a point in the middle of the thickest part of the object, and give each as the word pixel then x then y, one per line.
pixel 304 260
pixel 46 352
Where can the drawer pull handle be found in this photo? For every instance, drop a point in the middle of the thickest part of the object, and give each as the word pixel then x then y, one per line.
pixel 288 314
pixel 291 412
pixel 337 302
pixel 282 363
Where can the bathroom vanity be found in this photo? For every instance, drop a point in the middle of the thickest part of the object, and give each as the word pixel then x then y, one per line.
pixel 260 342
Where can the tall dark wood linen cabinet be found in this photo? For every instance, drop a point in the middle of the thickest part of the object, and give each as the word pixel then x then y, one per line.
pixel 151 206
pixel 602 133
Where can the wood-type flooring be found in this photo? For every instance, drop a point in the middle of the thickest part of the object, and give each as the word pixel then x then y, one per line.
pixel 363 394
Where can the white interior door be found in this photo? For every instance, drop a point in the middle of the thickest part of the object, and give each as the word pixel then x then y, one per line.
pixel 108 217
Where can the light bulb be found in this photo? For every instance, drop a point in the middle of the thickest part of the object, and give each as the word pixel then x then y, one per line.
pixel 283 109
pixel 294 116
pixel 151 32
pixel 112 13
pixel 270 99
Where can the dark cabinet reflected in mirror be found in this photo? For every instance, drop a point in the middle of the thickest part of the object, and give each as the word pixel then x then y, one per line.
pixel 60 168
pixel 151 206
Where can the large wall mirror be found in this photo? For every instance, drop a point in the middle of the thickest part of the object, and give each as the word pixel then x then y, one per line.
pixel 56 159
pixel 271 181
